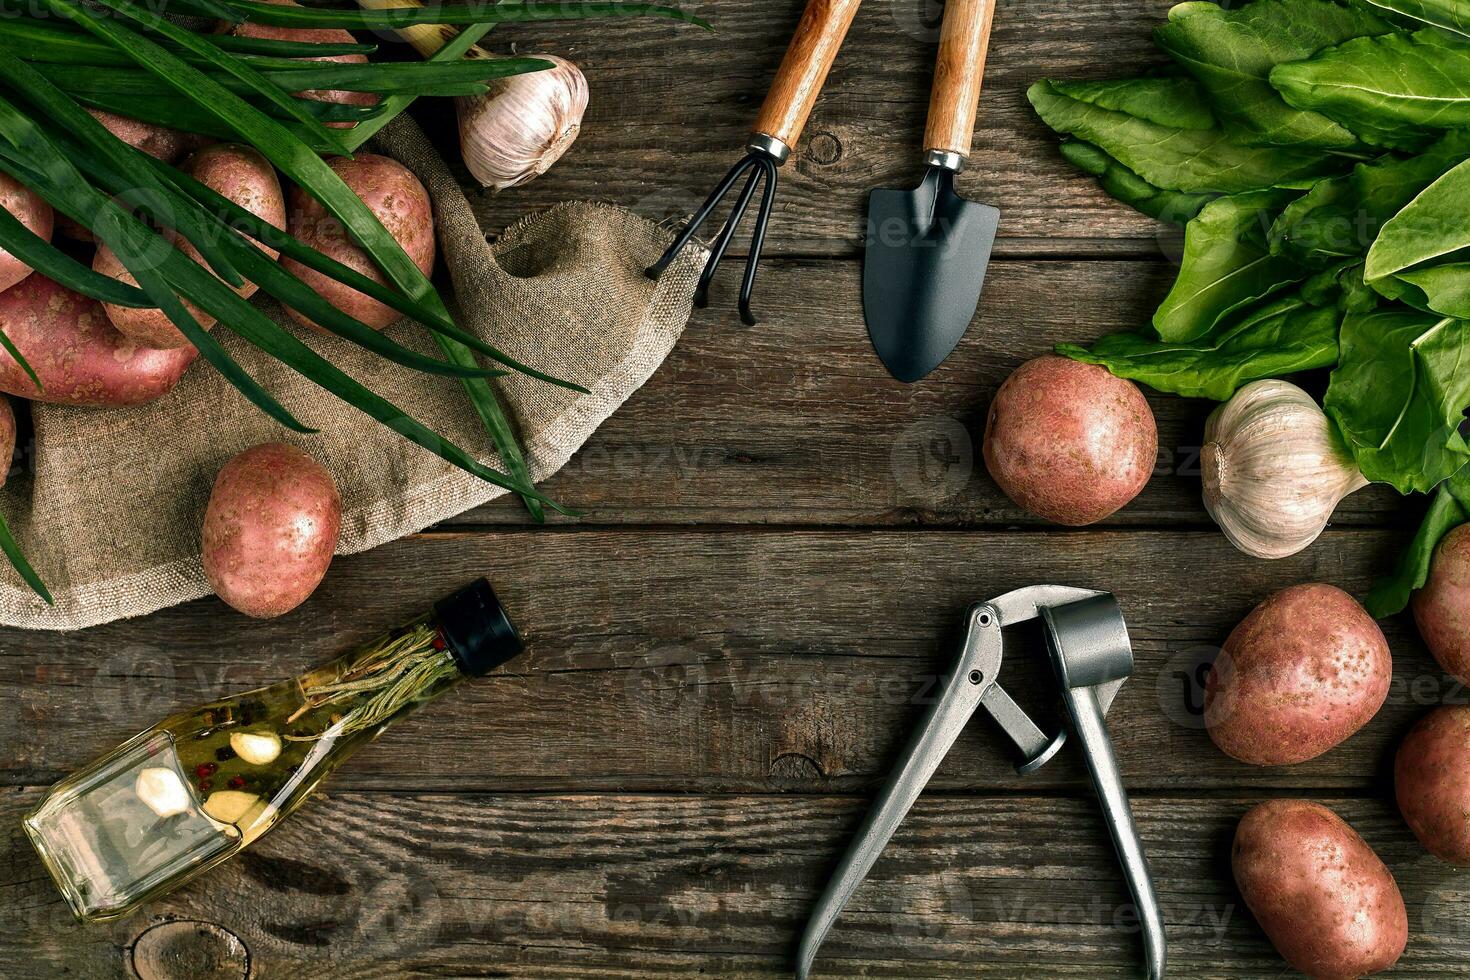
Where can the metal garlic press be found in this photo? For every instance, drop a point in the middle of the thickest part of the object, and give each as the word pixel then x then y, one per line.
pixel 1087 642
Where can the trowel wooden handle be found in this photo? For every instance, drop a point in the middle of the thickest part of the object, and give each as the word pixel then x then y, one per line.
pixel 963 42
pixel 804 70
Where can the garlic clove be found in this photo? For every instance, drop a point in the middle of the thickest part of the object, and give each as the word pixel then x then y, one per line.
pixel 523 125
pixel 162 791
pixel 256 748
pixel 1274 469
pixel 229 805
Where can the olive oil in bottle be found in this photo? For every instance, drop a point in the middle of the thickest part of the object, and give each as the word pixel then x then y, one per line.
pixel 202 785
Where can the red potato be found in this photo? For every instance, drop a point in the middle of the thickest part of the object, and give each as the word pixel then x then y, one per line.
pixel 1299 676
pixel 399 201
pixel 1442 607
pixel 1069 442
pixel 236 172
pixel 1323 897
pixel 79 357
pixel 312 35
pixel 270 529
pixel 1432 782
pixel 159 142
pixel 7 439
pixel 27 207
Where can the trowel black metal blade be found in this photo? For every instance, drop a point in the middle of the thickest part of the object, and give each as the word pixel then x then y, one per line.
pixel 927 252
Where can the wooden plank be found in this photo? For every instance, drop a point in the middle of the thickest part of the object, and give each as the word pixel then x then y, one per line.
pixel 796 421
pixel 719 661
pixel 366 885
pixel 672 106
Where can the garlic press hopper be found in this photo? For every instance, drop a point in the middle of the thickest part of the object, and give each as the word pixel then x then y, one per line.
pixel 1087 643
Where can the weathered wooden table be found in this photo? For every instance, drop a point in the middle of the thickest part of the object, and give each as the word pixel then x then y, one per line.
pixel 729 650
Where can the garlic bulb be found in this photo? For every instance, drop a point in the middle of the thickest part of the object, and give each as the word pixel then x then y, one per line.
pixel 523 125
pixel 1274 469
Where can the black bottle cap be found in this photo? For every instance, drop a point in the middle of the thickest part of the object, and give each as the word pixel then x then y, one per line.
pixel 479 633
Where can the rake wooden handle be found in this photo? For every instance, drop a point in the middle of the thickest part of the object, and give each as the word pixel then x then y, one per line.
pixel 804 70
pixel 954 101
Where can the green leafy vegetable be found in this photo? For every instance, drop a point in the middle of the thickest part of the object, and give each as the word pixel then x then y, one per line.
pixel 1343 287
pixel 1398 83
pixel 1227 265
pixel 1232 51
pixel 1192 160
pixel 1169 100
pixel 1282 337
pixel 1340 217
pixel 1452 15
pixel 1449 509
pixel 1126 186
pixel 1431 227
pixel 1399 396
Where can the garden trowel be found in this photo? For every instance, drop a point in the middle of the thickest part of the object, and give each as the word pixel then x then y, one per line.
pixel 927 249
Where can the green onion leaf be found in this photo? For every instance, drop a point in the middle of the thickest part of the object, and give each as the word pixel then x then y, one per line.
pixel 452 13
pixel 19 563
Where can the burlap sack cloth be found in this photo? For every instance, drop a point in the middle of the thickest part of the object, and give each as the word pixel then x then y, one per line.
pixel 110 514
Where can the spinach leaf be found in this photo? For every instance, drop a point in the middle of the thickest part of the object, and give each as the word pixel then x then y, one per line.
pixel 1450 508
pixel 1452 15
pixel 1173 101
pixel 1396 84
pixel 1282 337
pixel 1442 288
pixel 1340 217
pixel 1227 265
pixel 1399 396
pixel 1432 226
pixel 1232 51
pixel 1343 287
pixel 1196 161
pixel 1126 186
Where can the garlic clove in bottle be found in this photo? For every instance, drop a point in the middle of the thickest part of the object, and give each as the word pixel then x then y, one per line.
pixel 256 748
pixel 162 791
pixel 523 125
pixel 1274 469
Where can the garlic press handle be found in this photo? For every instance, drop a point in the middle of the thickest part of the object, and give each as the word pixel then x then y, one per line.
pixel 962 692
pixel 1090 650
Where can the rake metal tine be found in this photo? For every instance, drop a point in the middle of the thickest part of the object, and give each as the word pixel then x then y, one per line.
pixel 758 239
pixel 700 217
pixel 722 244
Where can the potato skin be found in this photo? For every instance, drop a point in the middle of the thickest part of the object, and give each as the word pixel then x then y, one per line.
pixel 1070 442
pixel 159 142
pixel 400 202
pixel 7 439
pixel 1324 898
pixel 30 210
pixel 312 35
pixel 1432 783
pixel 1300 675
pixel 270 529
pixel 1442 607
pixel 79 357
pixel 236 172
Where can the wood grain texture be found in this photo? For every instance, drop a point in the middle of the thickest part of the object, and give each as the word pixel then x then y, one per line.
pixel 373 886
pixel 959 72
pixel 671 108
pixel 803 72
pixel 696 660
pixel 797 423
